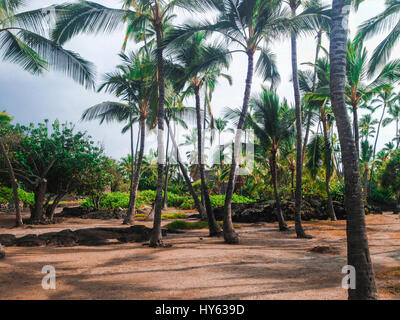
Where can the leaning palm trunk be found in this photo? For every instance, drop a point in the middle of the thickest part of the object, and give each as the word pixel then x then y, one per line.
pixel 358 254
pixel 129 213
pixel 329 204
pixel 299 157
pixel 282 224
pixel 230 235
pixel 309 113
pixel 185 174
pixel 165 199
pixel 215 230
pixel 130 217
pixel 156 236
pixel 14 186
pixel 376 142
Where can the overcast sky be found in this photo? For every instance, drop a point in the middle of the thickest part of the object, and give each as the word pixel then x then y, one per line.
pixel 31 99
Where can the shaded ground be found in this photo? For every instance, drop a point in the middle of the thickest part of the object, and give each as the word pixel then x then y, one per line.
pixel 265 265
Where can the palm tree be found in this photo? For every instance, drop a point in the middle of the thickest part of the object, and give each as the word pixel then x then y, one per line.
pixel 4 120
pixel 382 23
pixel 358 254
pixel 294 5
pixel 132 82
pixel 248 25
pixel 366 156
pixel 272 122
pixel 193 62
pixel 23 41
pixel 140 16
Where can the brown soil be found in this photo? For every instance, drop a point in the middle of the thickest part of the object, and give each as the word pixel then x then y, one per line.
pixel 266 264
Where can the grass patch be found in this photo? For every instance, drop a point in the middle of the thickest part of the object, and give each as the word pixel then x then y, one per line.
pixel 140 216
pixel 173 215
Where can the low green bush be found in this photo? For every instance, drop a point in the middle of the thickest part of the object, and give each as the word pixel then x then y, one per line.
pixel 6 195
pixel 185 225
pixel 173 215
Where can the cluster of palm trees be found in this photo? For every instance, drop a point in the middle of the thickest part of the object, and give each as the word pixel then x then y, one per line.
pixel 176 61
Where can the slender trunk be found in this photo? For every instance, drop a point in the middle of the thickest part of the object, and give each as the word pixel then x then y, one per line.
pixel 230 235
pixel 165 200
pixel 50 211
pixel 14 185
pixel 156 236
pixel 185 174
pixel 329 204
pixel 281 220
pixel 130 217
pixel 375 144
pixel 309 113
pixel 214 228
pixel 40 195
pixel 129 213
pixel 358 254
pixel 299 157
pixel 292 183
pixel 356 129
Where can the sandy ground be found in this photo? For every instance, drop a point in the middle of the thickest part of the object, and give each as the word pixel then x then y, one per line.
pixel 265 265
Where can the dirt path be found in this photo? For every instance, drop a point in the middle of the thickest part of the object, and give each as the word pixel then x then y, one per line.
pixel 265 265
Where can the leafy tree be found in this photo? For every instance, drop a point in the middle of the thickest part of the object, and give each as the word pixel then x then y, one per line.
pixel 391 178
pixel 4 134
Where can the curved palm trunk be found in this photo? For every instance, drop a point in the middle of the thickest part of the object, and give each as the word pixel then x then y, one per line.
pixel 230 235
pixel 309 113
pixel 299 157
pixel 165 199
pixel 156 236
pixel 129 213
pixel 130 217
pixel 358 254
pixel 281 220
pixel 375 144
pixel 329 204
pixel 14 186
pixel 215 230
pixel 185 174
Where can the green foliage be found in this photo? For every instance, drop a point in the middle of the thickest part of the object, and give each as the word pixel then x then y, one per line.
pixel 6 195
pixel 381 195
pixel 185 225
pixel 338 191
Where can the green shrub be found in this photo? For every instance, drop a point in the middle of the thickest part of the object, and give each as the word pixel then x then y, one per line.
pixel 381 195
pixel 6 195
pixel 185 225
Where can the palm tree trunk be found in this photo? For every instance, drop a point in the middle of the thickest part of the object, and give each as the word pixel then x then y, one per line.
pixel 230 235
pixel 365 180
pixel 299 157
pixel 309 113
pixel 329 204
pixel 14 186
pixel 281 220
pixel 375 144
pixel 130 217
pixel 129 213
pixel 165 200
pixel 358 254
pixel 356 129
pixel 156 236
pixel 185 174
pixel 214 228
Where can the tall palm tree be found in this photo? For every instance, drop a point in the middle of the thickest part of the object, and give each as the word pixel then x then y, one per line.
pixel 139 15
pixel 23 40
pixel 294 5
pixel 134 83
pixel 248 25
pixel 192 63
pixel 365 158
pixel 358 254
pixel 272 122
